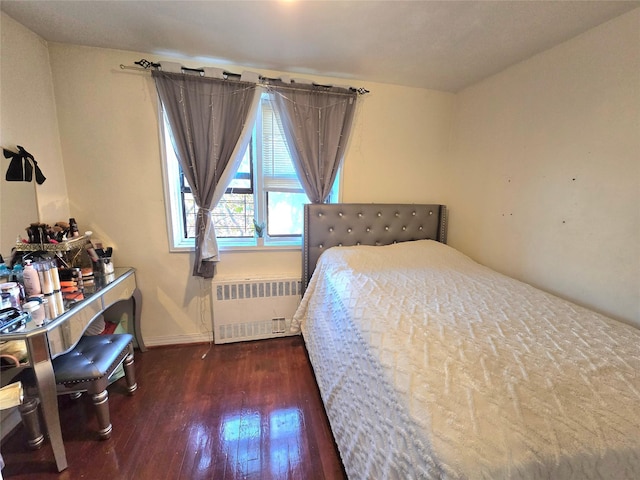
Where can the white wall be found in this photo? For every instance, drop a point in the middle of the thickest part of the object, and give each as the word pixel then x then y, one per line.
pixel 505 169
pixel 546 170
pixel 399 149
pixel 109 132
pixel 28 119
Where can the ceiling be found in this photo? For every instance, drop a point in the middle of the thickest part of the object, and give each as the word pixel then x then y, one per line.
pixel 442 45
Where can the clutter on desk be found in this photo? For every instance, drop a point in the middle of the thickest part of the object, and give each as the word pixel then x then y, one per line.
pixel 53 268
pixel 43 233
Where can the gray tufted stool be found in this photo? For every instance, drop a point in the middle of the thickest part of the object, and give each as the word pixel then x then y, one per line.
pixel 87 367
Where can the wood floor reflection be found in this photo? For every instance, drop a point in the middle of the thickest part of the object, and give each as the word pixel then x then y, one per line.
pixel 246 411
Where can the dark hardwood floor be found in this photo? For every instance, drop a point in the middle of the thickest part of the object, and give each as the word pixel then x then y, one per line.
pixel 246 411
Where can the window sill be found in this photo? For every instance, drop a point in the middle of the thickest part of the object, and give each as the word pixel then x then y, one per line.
pixel 251 244
pixel 243 246
pixel 260 248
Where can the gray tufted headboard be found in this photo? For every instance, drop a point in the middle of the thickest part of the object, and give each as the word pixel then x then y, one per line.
pixel 346 224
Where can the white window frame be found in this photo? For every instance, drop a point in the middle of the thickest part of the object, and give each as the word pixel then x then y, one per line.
pixel 173 201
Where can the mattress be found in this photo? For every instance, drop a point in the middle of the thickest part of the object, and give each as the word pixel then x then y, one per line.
pixel 433 366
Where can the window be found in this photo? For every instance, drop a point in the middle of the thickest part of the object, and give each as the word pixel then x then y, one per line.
pixel 266 187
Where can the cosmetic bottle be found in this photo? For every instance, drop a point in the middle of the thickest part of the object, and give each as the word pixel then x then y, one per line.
pixel 31 279
pixel 89 246
pixel 16 274
pixel 51 307
pixel 5 273
pixel 55 275
pixel 73 228
pixel 5 300
pixel 44 274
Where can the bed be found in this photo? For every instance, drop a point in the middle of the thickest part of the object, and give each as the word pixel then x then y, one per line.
pixel 433 366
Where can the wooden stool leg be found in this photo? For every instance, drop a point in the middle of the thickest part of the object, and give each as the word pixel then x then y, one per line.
pixel 29 414
pixel 130 374
pixel 101 403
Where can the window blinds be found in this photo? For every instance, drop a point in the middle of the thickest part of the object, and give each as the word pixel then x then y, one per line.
pixel 278 172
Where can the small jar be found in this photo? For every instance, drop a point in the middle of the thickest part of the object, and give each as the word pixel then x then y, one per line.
pixel 35 309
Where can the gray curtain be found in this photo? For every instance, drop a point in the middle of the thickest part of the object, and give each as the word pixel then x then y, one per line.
pixel 207 118
pixel 316 122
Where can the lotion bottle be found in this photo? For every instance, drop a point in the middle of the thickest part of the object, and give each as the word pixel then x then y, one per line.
pixel 31 279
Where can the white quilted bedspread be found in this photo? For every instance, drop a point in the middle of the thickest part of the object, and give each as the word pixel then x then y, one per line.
pixel 433 366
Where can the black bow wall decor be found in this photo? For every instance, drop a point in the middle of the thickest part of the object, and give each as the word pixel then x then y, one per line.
pixel 21 168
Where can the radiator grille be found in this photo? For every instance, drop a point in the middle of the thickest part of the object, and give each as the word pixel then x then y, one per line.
pixel 257 289
pixel 253 309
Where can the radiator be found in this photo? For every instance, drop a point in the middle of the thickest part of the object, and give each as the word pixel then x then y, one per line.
pixel 252 309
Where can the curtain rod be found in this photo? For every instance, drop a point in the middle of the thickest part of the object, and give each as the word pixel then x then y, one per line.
pixel 146 66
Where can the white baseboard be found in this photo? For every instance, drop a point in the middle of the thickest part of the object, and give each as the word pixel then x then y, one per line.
pixel 187 338
pixel 178 339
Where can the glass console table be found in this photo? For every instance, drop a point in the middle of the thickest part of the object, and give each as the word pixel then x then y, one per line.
pixel 113 295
